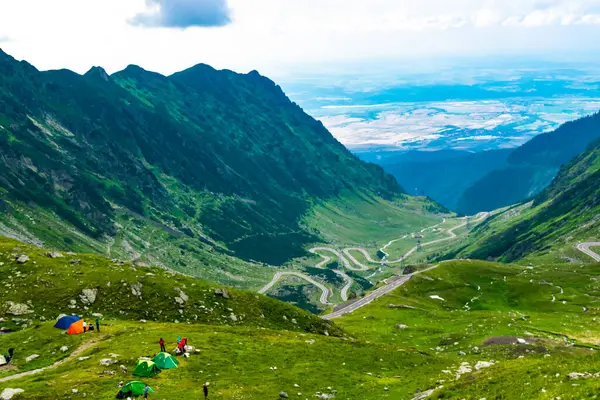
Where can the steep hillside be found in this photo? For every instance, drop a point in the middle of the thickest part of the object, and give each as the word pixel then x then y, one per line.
pixel 558 218
pixel 444 179
pixel 40 284
pixel 531 167
pixel 218 162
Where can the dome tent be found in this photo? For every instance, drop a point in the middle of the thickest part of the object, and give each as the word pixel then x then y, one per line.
pixel 165 361
pixel 76 328
pixel 66 321
pixel 146 369
pixel 135 388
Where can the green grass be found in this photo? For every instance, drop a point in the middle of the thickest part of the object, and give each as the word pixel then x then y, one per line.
pixel 503 300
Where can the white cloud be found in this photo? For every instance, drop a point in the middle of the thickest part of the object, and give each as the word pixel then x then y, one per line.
pixel 276 35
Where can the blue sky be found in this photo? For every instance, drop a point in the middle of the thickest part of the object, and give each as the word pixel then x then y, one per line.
pixel 278 37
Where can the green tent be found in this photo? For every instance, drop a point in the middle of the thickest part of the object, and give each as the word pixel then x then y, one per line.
pixel 135 388
pixel 146 369
pixel 165 361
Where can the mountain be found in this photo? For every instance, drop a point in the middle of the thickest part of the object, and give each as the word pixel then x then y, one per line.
pixel 220 163
pixel 548 227
pixel 531 167
pixel 446 176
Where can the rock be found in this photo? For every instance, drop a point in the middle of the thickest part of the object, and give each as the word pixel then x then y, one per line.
pixel 54 254
pixel 182 298
pixel 32 357
pixel 8 393
pixel 97 315
pixel 436 297
pixel 88 296
pixel 136 289
pixel 483 364
pixel 22 259
pixel 17 308
pixel 75 262
pixel 75 391
pixel 107 362
pixel 233 317
pixel 284 395
pixel 64 349
pixel 577 375
pixel 124 369
pixel 401 326
pixel 296 385
pixel 222 293
pixel 462 353
pixel 83 358
pixel 521 341
pixel 401 306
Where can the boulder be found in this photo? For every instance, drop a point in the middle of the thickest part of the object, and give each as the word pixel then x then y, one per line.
pixel 401 326
pixel 17 308
pixel 22 259
pixel 54 254
pixel 182 298
pixel 136 289
pixel 483 364
pixel 284 395
pixel 64 349
pixel 222 293
pixel 9 393
pixel 32 357
pixel 88 296
pixel 107 362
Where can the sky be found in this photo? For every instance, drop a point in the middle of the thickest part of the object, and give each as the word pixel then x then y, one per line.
pixel 278 37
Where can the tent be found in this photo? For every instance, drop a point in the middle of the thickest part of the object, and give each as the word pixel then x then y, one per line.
pixel 135 388
pixel 76 328
pixel 66 321
pixel 165 361
pixel 146 369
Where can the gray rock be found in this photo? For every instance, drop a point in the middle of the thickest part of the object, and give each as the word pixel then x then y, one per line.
pixel 75 262
pixel 22 259
pixel 54 254
pixel 88 296
pixel 222 293
pixel 9 393
pixel 107 362
pixel 401 326
pixel 64 349
pixel 284 395
pixel 136 289
pixel 17 308
pixel 182 298
pixel 32 357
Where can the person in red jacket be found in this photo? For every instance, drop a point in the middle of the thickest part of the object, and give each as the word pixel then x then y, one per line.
pixel 162 345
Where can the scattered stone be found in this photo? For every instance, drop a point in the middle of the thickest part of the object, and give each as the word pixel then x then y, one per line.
pixel 521 341
pixel 22 259
pixel 483 364
pixel 17 308
pixel 64 349
pixel 32 357
pixel 182 298
pixel 436 297
pixel 284 395
pixel 97 315
pixel 54 254
pixel 222 293
pixel 233 317
pixel 136 289
pixel 401 326
pixel 83 358
pixel 462 353
pixel 75 262
pixel 88 296
pixel 401 306
pixel 75 391
pixel 9 393
pixel 124 369
pixel 107 362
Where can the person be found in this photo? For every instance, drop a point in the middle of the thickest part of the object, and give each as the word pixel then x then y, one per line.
pixel 205 390
pixel 84 327
pixel 97 325
pixel 180 347
pixel 184 344
pixel 162 345
pixel 91 328
pixel 146 391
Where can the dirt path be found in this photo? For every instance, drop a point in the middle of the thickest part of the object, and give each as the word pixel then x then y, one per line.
pixel 85 346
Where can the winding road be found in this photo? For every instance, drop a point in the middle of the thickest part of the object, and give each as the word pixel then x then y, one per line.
pixel 351 263
pixel 585 248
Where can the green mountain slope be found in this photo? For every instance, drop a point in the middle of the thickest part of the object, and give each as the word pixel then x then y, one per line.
pixel 218 163
pixel 531 167
pixel 557 219
pixel 445 180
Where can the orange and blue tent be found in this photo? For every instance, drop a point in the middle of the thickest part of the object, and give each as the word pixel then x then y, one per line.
pixel 76 328
pixel 66 321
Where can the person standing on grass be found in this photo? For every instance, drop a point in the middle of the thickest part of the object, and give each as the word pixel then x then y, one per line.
pixel 162 345
pixel 205 390
pixel 146 391
pixel 97 325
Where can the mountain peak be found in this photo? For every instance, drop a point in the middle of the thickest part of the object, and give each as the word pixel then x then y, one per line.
pixel 5 57
pixel 98 72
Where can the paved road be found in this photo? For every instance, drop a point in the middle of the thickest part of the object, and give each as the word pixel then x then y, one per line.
pixel 393 284
pixel 324 291
pixel 352 263
pixel 585 248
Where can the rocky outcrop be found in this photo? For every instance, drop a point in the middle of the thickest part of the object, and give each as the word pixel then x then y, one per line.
pixel 17 308
pixel 88 296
